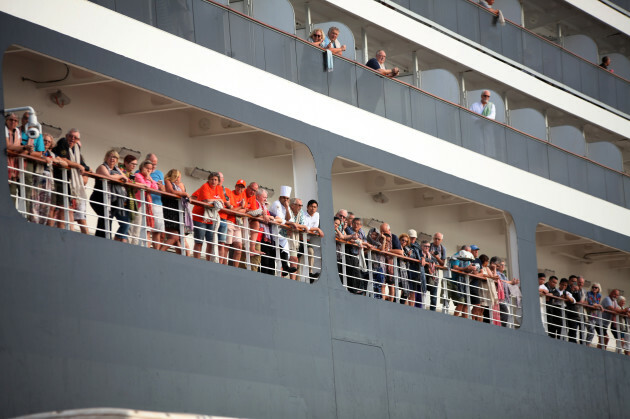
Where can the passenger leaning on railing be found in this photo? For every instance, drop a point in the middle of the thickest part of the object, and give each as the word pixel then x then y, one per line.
pixel 462 261
pixel 143 178
pixel 206 218
pixel 173 185
pixel 69 149
pixel 234 237
pixel 43 211
pixel 594 312
pixel 391 245
pixel 117 198
pixel 404 269
pixel 428 263
pixel 610 317
pixel 130 163
pixel 624 326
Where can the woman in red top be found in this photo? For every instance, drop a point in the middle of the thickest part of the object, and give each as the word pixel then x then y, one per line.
pixel 211 193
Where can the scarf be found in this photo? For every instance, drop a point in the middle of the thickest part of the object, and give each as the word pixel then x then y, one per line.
pixel 487 110
pixel 77 189
pixel 14 139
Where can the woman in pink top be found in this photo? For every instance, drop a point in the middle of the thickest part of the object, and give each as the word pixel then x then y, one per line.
pixel 143 177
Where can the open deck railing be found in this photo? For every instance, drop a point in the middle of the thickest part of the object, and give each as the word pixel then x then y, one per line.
pixel 584 324
pixel 512 41
pixel 224 30
pixel 410 284
pixel 36 199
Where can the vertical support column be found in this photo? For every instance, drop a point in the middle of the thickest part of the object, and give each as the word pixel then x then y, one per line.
pixel 309 22
pixel 182 223
pixel 304 173
pixel 275 234
pixel 507 109
pixel 547 129
pixel 522 14
pixel 417 81
pixel 305 266
pixel 343 266
pixel 370 286
pixel 560 35
pixel 364 38
pixel 463 98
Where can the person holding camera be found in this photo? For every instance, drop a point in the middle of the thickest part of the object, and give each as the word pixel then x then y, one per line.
pixel 437 249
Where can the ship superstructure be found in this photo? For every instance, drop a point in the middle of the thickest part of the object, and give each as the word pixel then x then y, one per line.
pixel 232 86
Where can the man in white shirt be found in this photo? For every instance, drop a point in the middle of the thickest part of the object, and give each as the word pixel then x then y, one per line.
pixel 485 107
pixel 281 209
pixel 311 221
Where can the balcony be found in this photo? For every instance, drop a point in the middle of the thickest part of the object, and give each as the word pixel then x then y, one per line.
pixel 223 30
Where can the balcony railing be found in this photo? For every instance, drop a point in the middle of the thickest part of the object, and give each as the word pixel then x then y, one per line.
pixel 124 212
pixel 513 41
pixel 221 29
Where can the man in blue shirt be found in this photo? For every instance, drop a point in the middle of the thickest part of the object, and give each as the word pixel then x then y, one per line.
pixel 158 214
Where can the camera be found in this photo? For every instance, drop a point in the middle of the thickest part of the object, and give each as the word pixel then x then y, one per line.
pixel 32 132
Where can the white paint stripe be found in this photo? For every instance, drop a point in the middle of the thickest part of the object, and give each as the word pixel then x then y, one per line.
pixel 146 44
pixel 483 63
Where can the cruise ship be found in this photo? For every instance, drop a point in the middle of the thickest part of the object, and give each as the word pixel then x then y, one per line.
pixel 91 326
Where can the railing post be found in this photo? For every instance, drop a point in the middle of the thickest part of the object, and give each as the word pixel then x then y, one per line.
pixel 468 307
pixel 22 206
pixel 246 243
pixel 66 198
pixel 107 199
pixel 443 283
pixel 142 234
pixel 396 269
pixel 370 287
pixel 305 266
pixel 182 226
pixel 343 266
pixel 564 333
pixel 275 233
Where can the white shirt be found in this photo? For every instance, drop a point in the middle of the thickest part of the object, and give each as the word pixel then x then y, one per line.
pixel 311 221
pixel 477 107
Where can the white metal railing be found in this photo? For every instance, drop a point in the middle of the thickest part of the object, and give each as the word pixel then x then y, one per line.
pixel 584 324
pixel 41 198
pixel 387 276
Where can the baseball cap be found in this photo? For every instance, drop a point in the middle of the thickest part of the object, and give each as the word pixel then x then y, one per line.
pixel 241 182
pixel 412 233
pixel 474 247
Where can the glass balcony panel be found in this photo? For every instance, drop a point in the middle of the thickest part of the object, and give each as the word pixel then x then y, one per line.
pixel 558 166
pixel 626 189
pixel 552 61
pixel 494 141
pixel 424 8
pixel 596 180
pixel 490 31
pixel 571 67
pixel 512 43
pixel 588 75
pixel 246 41
pixel 607 88
pixel 443 13
pixel 142 10
pixel 342 82
pixel 516 149
pixel 176 17
pixel 473 131
pixel 110 4
pixel 280 56
pixel 538 160
pixel 623 95
pixel 423 113
pixel 468 21
pixel 614 188
pixel 212 27
pixel 398 103
pixel 310 67
pixel 577 173
pixel 448 124
pixel 370 89
pixel 532 52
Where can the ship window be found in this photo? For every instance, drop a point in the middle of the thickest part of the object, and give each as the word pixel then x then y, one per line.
pixel 381 272
pixel 573 266
pixel 129 121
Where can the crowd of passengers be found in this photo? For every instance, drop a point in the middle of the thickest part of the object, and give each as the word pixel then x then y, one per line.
pixel 489 292
pixel 567 301
pixel 165 216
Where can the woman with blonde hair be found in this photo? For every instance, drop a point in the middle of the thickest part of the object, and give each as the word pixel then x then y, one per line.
pixel 173 216
pixel 316 38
